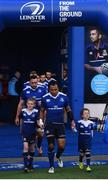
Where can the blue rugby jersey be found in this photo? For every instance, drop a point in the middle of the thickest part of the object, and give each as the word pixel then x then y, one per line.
pixel 96 57
pixel 44 85
pixel 54 106
pixel 36 93
pixel 85 131
pixel 26 84
pixel 29 121
pixel 49 80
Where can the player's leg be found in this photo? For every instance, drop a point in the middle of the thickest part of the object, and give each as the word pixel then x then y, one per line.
pixel 32 141
pixel 88 159
pixel 31 155
pixel 25 154
pixel 81 156
pixel 51 153
pixel 40 134
pixel 49 129
pixel 61 140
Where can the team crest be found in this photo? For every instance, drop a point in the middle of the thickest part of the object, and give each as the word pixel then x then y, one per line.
pixel 47 132
pixel 28 92
pixel 39 90
pixel 33 115
pixel 24 114
pixel 61 99
pixel 47 100
pixel 81 126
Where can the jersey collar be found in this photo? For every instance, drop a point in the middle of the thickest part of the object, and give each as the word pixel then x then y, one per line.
pixel 55 97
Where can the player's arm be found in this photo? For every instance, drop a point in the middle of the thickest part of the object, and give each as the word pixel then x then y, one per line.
pixel 42 112
pixel 70 116
pixel 19 108
pixel 20 125
pixel 91 68
pixel 40 122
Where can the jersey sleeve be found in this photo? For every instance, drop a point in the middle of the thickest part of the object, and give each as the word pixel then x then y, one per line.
pixel 44 91
pixel 23 95
pixel 66 102
pixel 77 126
pixel 21 115
pixel 93 126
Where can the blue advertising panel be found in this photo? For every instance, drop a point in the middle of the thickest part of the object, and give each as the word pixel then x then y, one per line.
pixel 53 12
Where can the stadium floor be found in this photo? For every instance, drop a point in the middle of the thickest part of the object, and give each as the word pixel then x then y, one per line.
pixel 11 150
pixel 11 143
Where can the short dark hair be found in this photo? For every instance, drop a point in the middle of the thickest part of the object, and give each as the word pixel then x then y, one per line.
pixel 97 29
pixel 82 111
pixel 52 83
pixel 33 77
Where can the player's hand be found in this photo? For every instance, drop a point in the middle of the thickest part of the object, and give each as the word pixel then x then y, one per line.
pixel 17 121
pixel 40 123
pixel 73 126
pixel 87 66
pixel 98 70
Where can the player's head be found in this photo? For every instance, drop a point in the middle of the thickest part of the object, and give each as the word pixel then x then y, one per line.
pixel 42 77
pixel 53 88
pixel 95 35
pixel 65 73
pixel 48 75
pixel 32 73
pixel 85 113
pixel 33 81
pixel 17 74
pixel 31 102
pixel 38 77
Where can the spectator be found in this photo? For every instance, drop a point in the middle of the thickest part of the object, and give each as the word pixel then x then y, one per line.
pixel 14 85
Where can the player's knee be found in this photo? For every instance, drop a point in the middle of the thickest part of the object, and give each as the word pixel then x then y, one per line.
pixel 50 143
pixel 87 152
pixel 32 148
pixel 26 149
pixel 82 152
pixel 61 145
pixel 50 147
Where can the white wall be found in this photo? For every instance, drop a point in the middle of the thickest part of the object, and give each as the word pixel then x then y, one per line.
pixel 96 110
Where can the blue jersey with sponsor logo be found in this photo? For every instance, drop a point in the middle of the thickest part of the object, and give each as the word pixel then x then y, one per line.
pixel 29 121
pixel 26 84
pixel 49 80
pixel 44 85
pixel 54 106
pixel 85 131
pixel 36 93
pixel 96 57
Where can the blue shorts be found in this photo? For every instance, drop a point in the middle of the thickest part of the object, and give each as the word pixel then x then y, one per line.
pixel 55 130
pixel 29 139
pixel 84 146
